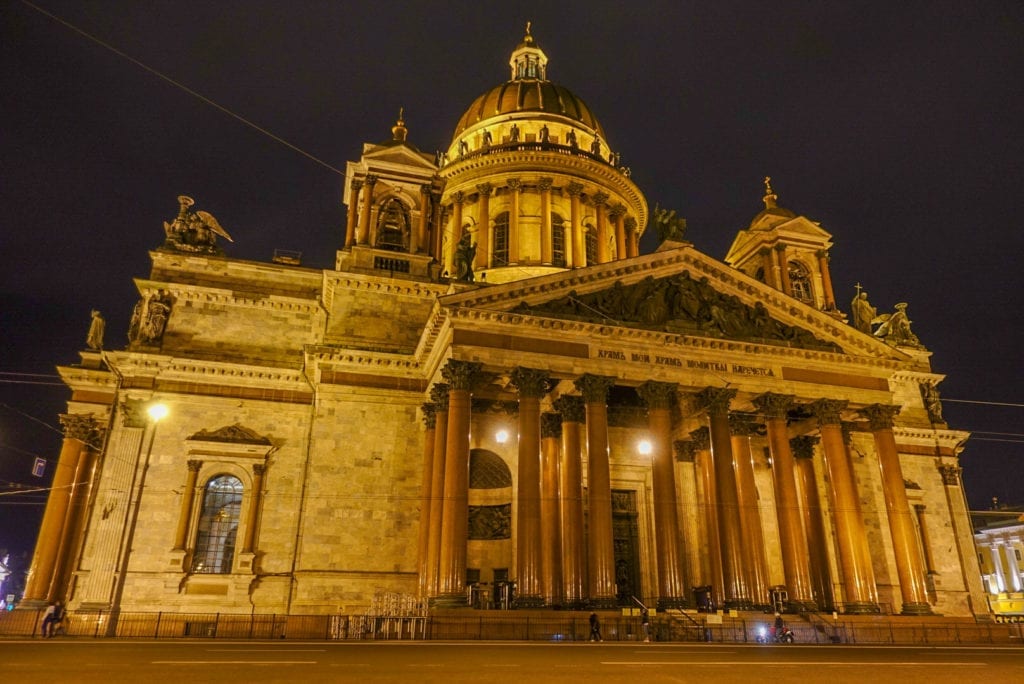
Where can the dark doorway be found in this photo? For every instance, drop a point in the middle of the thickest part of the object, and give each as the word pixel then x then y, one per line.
pixel 625 532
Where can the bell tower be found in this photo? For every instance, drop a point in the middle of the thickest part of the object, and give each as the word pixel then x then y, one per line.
pixel 787 252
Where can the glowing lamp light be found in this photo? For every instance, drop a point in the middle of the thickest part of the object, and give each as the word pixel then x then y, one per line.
pixel 644 447
pixel 501 436
pixel 157 412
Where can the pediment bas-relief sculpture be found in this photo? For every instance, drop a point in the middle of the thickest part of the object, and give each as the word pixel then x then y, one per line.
pixel 678 304
pixel 236 433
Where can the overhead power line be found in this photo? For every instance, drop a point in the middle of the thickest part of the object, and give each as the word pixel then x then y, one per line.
pixel 183 87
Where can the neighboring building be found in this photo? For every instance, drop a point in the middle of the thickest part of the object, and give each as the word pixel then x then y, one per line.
pixel 999 537
pixel 495 389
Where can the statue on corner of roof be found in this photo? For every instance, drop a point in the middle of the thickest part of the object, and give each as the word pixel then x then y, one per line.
pixel 193 231
pixel 894 328
pixel 668 225
pixel 94 340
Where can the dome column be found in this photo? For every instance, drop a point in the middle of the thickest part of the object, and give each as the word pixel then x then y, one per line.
pixel 658 397
pixel 546 248
pixel 633 238
pixel 579 248
pixel 351 220
pixel 456 231
pixel 516 186
pixel 531 385
pixel 574 562
pixel 363 235
pixel 618 217
pixel 483 222
pixel 600 544
pixel 909 566
pixel 601 207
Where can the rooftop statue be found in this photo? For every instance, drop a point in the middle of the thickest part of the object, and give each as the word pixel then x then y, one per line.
pixel 94 339
pixel 668 225
pixel 862 311
pixel 894 328
pixel 193 231
pixel 465 252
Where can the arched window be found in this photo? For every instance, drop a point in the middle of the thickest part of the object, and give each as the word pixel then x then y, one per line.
pixel 557 240
pixel 218 526
pixel 393 226
pixel 590 240
pixel 800 280
pixel 500 255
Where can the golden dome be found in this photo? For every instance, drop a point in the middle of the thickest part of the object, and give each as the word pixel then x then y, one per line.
pixel 528 92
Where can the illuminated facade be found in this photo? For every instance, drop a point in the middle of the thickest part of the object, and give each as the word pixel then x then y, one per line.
pixel 493 388
pixel 1000 546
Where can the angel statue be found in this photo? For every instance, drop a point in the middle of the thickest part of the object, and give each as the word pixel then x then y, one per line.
pixel 894 328
pixel 668 225
pixel 193 231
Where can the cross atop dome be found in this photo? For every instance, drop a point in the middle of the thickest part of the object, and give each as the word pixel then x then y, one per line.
pixel 528 61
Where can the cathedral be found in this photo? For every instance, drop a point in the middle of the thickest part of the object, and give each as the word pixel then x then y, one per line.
pixel 494 400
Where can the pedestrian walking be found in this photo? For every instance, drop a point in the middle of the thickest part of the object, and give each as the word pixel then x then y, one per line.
pixel 595 628
pixel 645 624
pixel 52 618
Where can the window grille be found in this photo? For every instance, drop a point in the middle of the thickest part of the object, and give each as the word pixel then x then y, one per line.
pixel 218 526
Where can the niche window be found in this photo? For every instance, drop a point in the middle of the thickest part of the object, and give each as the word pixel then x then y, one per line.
pixel 218 526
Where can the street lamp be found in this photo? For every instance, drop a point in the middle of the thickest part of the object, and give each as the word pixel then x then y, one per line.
pixel 644 447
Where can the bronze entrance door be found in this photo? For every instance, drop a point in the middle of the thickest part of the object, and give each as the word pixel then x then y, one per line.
pixel 625 533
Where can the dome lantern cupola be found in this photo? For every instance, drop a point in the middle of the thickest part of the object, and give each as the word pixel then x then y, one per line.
pixel 528 60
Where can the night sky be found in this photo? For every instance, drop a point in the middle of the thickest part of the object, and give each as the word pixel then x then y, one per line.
pixel 898 126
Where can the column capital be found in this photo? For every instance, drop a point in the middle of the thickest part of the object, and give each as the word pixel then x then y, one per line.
pixel 457 197
pixel 530 382
pixel 571 407
pixel 822 254
pixel 716 399
pixel 356 184
pixel 616 211
pixel 880 416
pixel 439 395
pixel 545 184
pixel 462 375
pixel 594 387
pixel 550 425
pixel 259 469
pixel 774 405
pixel 426 189
pixel 371 179
pixel 764 251
pixel 600 198
pixel 657 395
pixel 77 426
pixel 803 446
pixel 919 508
pixel 950 474
pixel 828 411
pixel 630 223
pixel 194 465
pixel 574 189
pixel 515 184
pixel 780 247
pixel 743 426
pixel 685 450
pixel 429 415
pixel 701 438
pixel 485 189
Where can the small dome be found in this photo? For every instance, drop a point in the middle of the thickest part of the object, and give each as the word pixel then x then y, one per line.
pixel 772 213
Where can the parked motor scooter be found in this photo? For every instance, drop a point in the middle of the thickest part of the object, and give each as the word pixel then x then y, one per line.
pixel 772 635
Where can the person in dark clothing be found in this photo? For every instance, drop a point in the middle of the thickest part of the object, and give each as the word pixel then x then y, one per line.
pixel 645 624
pixel 595 628
pixel 52 618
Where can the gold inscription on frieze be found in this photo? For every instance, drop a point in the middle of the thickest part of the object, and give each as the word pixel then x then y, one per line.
pixel 695 364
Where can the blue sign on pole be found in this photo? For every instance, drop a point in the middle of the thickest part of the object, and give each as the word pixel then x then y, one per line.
pixel 39 467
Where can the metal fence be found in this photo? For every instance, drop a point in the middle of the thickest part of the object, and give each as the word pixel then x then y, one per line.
pixel 504 626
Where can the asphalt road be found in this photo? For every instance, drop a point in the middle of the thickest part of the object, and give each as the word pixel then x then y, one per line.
pixel 110 662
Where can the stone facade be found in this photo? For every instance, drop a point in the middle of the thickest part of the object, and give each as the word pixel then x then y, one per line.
pixel 406 421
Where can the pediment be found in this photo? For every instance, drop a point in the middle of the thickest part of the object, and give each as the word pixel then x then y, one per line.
pixel 398 155
pixel 682 292
pixel 237 434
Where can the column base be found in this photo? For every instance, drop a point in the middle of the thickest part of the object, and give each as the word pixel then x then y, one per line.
pixel 804 606
pixel 916 609
pixel 861 609
pixel 739 604
pixel 449 601
pixel 604 603
pixel 528 602
pixel 576 604
pixel 672 603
